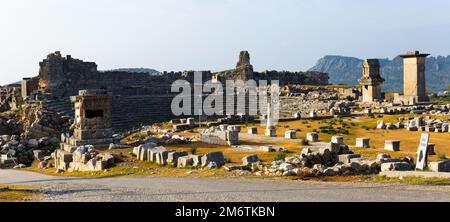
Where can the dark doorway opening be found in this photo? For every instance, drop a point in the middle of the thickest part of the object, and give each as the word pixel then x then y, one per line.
pixel 93 114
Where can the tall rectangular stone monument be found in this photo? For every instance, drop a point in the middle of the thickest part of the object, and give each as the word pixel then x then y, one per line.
pixel 92 120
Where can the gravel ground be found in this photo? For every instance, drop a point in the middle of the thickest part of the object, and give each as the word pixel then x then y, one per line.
pixel 156 189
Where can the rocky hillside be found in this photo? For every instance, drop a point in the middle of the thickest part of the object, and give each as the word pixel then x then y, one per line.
pixel 347 70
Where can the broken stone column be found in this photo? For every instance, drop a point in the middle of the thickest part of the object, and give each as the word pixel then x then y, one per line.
pixel 392 145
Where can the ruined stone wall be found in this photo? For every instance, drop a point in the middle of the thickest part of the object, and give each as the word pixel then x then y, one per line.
pixel 65 76
pixel 138 98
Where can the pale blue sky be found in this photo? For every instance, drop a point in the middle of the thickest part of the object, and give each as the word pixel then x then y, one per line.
pixel 208 34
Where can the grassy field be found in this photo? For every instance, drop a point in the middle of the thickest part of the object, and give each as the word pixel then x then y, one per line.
pixel 15 193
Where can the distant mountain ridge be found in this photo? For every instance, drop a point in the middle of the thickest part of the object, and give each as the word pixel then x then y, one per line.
pixel 347 70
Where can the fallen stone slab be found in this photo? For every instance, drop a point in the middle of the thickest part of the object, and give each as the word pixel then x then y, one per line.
pixel 216 158
pixel 249 160
pixel 154 152
pixel 398 166
pixel 233 168
pixel 441 166
pixel 172 157
pixel 185 161
pixel 345 159
pixel 397 174
pixel 161 157
pixel 267 149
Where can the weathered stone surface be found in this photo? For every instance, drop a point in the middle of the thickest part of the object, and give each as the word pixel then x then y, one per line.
pixel 267 149
pixel 312 137
pixel 223 135
pixel 345 158
pixel 154 152
pixel 290 134
pixel 114 146
pixel 43 165
pixel 371 81
pixel 431 149
pixel 271 132
pixel 186 161
pixel 33 143
pixel 249 160
pixel 38 154
pixel 441 166
pixel 216 158
pixel 252 130
pixel 383 156
pixel 172 157
pixel 397 166
pixel 337 140
pixel 381 125
pixel 233 168
pixel 363 142
pixel 392 145
pixel 161 157
pixel 285 167
pixel 389 160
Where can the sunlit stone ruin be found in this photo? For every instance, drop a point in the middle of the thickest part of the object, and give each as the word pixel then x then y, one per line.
pixel 72 117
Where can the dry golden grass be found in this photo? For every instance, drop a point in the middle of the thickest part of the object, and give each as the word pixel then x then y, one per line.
pixel 15 193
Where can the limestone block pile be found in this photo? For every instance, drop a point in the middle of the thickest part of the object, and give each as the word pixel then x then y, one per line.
pixel 222 135
pixel 160 155
pixel 25 151
pixel 84 158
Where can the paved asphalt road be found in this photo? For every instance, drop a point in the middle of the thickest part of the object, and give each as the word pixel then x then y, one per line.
pixel 151 189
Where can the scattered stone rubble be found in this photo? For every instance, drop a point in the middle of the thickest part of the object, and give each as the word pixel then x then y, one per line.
pixel 84 158
pixel 426 124
pixel 19 150
pixel 333 160
pixel 222 135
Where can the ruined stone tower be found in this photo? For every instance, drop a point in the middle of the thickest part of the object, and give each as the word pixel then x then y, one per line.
pixel 92 120
pixel 244 67
pixel 371 81
pixel 414 84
